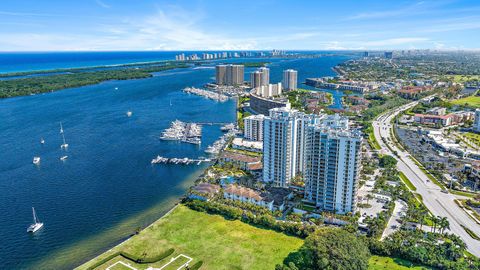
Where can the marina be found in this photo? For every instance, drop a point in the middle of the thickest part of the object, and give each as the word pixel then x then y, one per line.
pixel 219 144
pixel 206 94
pixel 183 132
pixel 183 161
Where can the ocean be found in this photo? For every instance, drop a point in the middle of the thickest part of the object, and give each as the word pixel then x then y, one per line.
pixel 107 187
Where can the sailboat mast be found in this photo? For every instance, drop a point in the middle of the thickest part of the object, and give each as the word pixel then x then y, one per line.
pixel 34 215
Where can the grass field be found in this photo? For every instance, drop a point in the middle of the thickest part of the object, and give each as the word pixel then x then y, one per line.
pixel 388 263
pixel 472 137
pixel 407 182
pixel 219 243
pixel 464 78
pixel 471 101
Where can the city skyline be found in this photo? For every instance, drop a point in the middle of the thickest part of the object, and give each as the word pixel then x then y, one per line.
pixel 101 25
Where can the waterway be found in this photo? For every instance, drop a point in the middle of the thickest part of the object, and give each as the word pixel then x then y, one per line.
pixel 107 187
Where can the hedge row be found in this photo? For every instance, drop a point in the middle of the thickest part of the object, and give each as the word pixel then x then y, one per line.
pixel 134 258
pixel 267 221
pixel 197 265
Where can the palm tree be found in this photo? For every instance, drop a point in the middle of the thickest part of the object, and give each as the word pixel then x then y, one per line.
pixel 435 221
pixel 444 224
pixel 423 213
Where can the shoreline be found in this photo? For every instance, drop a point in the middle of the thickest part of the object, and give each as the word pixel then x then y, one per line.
pixel 122 242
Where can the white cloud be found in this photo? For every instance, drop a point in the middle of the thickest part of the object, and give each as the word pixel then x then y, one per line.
pixel 102 4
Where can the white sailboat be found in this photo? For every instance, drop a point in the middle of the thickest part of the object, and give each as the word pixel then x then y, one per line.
pixel 129 113
pixel 65 144
pixel 36 160
pixel 42 141
pixel 37 225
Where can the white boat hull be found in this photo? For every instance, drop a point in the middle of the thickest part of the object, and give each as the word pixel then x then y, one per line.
pixel 35 227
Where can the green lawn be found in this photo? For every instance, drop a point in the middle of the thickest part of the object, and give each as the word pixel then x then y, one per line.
pixel 219 243
pixel 407 182
pixel 120 267
pixel 473 137
pixel 464 78
pixel 471 101
pixel 388 263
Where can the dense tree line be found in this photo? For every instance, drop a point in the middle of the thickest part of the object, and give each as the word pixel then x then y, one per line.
pixel 330 249
pixel 264 220
pixel 442 251
pixel 37 85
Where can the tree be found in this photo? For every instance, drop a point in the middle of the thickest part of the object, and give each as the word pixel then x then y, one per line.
pixel 435 222
pixel 443 224
pixel 369 197
pixel 330 249
pixel 387 161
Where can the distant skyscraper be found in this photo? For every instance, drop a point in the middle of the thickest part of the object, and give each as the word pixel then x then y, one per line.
pixel 283 145
pixel 389 55
pixel 220 74
pixel 365 54
pixel 265 80
pixel 476 123
pixel 290 79
pixel 256 79
pixel 331 164
pixel 229 74
pixel 253 127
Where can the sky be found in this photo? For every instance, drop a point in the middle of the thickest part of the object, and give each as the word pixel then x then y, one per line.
pixel 110 25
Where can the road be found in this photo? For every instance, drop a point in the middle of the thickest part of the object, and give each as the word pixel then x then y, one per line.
pixel 393 224
pixel 439 203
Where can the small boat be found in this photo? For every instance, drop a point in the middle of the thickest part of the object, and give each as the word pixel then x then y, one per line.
pixel 42 141
pixel 37 225
pixel 129 113
pixel 61 128
pixel 36 160
pixel 116 88
pixel 63 158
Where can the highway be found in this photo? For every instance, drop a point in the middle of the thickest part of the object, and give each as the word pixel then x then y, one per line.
pixel 439 203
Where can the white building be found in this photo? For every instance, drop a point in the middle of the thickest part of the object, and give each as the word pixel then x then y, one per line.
pixel 265 79
pixel 253 127
pixel 476 123
pixel 290 79
pixel 270 90
pixel 247 195
pixel 283 144
pixel 331 164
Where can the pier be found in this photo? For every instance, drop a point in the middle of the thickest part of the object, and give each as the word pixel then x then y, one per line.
pixel 182 161
pixel 205 93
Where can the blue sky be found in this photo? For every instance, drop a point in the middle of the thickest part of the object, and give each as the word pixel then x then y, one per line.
pixel 55 25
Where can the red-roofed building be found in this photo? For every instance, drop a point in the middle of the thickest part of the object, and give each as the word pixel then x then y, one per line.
pixel 413 91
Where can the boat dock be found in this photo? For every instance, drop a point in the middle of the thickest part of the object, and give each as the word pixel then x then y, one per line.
pixel 206 93
pixel 182 161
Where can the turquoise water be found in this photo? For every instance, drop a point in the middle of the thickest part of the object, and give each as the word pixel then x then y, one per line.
pixel 107 187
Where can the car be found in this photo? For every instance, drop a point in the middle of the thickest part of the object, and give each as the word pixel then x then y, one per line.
pixel 444 191
pixel 394 227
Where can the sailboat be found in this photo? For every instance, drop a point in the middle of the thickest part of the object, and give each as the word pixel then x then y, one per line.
pixel 37 225
pixel 36 160
pixel 129 113
pixel 65 144
pixel 42 141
